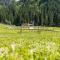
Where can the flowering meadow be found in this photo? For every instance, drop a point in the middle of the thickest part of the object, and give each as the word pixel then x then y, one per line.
pixel 16 44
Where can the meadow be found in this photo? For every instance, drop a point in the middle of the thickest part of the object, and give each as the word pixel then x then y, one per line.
pixel 20 44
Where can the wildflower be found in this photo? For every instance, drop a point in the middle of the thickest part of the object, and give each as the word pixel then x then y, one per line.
pixel 31 51
pixel 51 47
pixel 31 28
pixel 3 51
pixel 6 50
pixel 13 45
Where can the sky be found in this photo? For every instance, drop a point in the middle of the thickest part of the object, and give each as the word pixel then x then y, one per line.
pixel 17 0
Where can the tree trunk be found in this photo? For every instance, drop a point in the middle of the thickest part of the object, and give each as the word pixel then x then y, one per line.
pixel 42 17
pixel 51 19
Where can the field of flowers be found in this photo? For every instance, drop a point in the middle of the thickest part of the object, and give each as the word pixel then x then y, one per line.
pixel 16 44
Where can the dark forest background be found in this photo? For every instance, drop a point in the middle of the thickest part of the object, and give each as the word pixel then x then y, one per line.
pixel 36 12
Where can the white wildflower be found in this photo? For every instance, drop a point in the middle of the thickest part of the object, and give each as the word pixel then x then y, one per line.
pixel 6 50
pixel 3 51
pixel 31 28
pixel 51 46
pixel 13 45
pixel 31 51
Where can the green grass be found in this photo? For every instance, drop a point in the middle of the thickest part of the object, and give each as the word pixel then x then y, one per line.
pixel 29 45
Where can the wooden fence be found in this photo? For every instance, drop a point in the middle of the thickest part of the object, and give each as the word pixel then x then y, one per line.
pixel 37 28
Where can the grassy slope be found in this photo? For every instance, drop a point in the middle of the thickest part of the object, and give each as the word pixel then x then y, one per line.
pixel 27 45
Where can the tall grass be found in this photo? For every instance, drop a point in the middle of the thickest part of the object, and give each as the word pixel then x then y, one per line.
pixel 29 45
